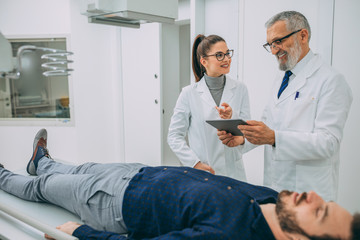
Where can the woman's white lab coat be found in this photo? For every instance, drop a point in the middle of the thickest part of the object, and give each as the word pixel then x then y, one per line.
pixel 308 131
pixel 195 105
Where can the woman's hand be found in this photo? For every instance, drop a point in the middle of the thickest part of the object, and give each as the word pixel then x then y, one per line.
pixel 229 140
pixel 226 112
pixel 205 167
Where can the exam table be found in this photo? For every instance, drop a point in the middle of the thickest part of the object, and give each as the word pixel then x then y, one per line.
pixel 41 215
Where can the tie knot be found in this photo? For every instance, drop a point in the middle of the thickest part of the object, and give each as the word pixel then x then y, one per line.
pixel 288 73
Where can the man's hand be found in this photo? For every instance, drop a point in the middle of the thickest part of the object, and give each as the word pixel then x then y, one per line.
pixel 68 228
pixel 226 112
pixel 258 133
pixel 205 167
pixel 229 140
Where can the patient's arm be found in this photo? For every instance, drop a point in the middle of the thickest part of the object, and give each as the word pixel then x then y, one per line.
pixel 68 228
pixel 205 167
pixel 197 232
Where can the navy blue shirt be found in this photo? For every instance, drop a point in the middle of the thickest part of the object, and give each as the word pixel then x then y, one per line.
pixel 186 203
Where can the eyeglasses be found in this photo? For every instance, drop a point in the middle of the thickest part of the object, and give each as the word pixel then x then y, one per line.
pixel 220 55
pixel 278 42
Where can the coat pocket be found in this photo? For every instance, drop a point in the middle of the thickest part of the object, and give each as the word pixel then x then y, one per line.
pixel 301 114
pixel 315 178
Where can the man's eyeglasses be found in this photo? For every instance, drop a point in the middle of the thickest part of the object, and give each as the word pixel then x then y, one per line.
pixel 278 42
pixel 220 55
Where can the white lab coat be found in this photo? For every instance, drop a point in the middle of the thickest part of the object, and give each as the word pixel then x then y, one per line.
pixel 308 131
pixel 195 105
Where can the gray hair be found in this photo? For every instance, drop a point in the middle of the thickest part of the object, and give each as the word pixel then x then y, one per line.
pixel 294 21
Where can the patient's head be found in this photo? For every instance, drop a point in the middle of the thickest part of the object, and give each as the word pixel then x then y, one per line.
pixel 308 216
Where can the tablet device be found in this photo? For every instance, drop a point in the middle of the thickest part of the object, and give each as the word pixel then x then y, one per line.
pixel 228 125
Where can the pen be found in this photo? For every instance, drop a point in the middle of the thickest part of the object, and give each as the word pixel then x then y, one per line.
pixel 296 95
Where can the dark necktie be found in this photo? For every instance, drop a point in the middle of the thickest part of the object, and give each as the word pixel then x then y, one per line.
pixel 285 82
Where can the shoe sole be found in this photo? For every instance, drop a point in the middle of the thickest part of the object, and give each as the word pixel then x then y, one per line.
pixel 30 168
pixel 42 133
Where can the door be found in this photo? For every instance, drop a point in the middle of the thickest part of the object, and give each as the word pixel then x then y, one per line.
pixel 141 92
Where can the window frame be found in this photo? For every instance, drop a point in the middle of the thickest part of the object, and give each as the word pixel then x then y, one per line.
pixel 44 121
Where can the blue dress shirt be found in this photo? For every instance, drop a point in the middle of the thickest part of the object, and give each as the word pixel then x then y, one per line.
pixel 186 203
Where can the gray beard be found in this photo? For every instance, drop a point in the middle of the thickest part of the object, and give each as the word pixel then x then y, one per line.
pixel 292 57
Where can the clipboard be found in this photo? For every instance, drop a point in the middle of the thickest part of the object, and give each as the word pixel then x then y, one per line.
pixel 228 125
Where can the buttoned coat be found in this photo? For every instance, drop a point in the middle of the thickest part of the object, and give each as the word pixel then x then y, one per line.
pixel 308 130
pixel 194 106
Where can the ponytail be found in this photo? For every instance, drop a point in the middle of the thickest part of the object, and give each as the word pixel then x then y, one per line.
pixel 200 49
pixel 197 67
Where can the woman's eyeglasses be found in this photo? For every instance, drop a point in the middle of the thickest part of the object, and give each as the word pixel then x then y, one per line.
pixel 220 55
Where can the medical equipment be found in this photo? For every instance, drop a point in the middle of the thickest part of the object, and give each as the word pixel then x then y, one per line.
pixel 10 67
pixel 36 224
pixel 130 13
pixel 228 125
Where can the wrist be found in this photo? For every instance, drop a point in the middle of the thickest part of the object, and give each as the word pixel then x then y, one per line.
pixel 273 139
pixel 197 165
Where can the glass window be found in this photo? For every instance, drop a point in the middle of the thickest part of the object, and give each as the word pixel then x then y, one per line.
pixel 33 95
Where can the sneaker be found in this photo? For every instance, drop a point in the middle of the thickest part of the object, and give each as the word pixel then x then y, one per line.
pixel 39 151
pixel 42 133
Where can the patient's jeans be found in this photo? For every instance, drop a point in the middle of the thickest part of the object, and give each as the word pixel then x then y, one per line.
pixel 92 191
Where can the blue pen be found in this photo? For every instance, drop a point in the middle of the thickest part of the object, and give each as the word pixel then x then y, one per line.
pixel 296 95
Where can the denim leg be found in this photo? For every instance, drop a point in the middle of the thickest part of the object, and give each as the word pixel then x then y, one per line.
pixel 46 166
pixel 24 187
pixel 68 191
pixel 96 197
pixel 92 191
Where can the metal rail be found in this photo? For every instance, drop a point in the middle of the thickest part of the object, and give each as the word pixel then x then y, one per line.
pixel 51 231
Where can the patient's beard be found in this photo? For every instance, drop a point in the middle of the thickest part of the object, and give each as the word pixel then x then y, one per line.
pixel 286 217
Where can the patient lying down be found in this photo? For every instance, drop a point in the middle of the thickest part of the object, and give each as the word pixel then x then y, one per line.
pixel 173 203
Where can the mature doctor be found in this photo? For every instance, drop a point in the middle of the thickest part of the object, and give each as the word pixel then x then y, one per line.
pixel 303 122
pixel 210 97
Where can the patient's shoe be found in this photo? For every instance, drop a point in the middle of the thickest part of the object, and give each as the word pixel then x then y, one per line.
pixel 39 151
pixel 42 133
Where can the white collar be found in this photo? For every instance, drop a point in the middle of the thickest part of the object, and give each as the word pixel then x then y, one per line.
pixel 303 62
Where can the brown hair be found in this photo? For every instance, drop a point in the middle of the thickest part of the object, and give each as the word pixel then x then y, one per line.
pixel 355 227
pixel 355 230
pixel 200 49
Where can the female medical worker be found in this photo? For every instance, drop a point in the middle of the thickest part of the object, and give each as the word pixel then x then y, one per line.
pixel 203 100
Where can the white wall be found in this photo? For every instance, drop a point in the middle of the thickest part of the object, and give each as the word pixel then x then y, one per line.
pixel 97 89
pixel 346 52
pixel 170 85
pixel 96 134
pixel 185 56
pixel 221 18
